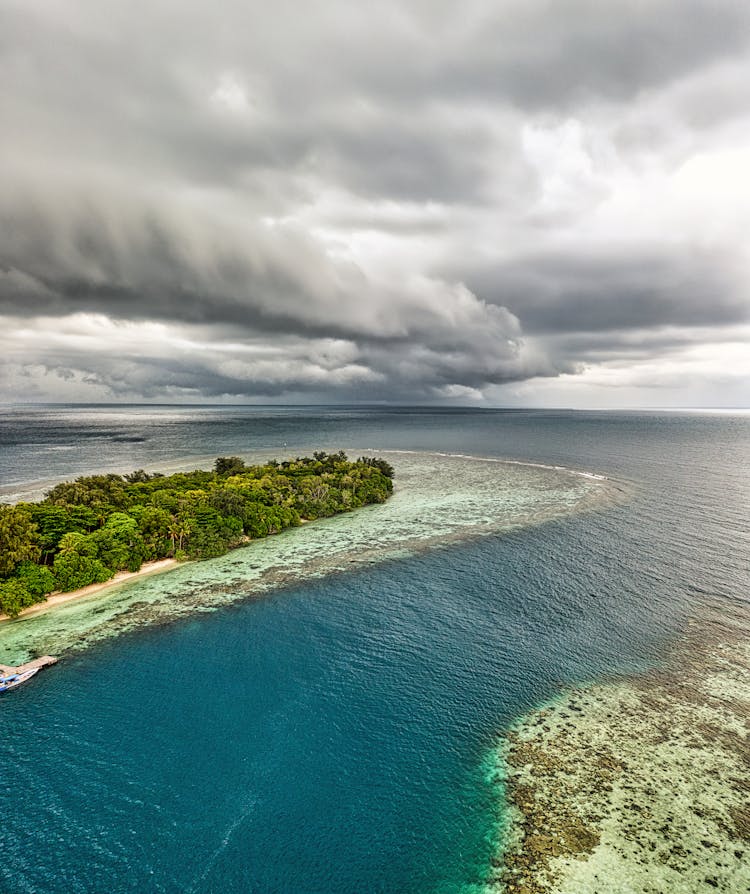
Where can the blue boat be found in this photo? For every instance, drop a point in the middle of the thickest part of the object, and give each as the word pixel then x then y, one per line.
pixel 10 681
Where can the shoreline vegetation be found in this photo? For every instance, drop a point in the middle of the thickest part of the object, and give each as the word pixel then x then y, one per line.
pixel 100 530
pixel 440 501
pixel 58 597
pixel 638 785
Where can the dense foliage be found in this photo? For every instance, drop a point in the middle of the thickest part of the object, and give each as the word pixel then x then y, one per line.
pixel 86 530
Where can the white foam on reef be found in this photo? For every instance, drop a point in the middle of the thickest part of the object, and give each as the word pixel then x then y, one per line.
pixel 438 498
pixel 511 462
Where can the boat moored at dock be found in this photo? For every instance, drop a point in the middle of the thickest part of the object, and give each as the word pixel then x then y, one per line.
pixel 12 677
pixel 12 680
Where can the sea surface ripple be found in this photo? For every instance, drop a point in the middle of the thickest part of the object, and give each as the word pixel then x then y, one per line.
pixel 338 734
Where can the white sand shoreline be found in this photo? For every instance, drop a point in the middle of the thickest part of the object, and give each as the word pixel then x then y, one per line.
pixel 60 598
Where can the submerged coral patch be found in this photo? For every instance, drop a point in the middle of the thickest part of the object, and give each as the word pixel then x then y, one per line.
pixel 639 786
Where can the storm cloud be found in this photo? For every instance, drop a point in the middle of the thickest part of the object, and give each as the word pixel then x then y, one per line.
pixel 506 202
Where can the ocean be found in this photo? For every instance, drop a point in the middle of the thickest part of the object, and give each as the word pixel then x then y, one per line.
pixel 319 713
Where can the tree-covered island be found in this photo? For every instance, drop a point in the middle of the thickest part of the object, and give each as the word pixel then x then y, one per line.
pixel 87 530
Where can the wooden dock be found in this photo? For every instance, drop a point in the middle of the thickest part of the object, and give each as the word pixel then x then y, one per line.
pixel 45 660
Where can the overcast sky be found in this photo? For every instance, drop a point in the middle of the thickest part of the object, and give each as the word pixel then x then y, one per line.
pixel 501 202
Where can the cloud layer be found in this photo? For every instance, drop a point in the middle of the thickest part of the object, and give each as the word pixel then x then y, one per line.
pixel 523 202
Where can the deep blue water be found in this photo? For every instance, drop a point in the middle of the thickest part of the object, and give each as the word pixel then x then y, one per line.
pixel 334 737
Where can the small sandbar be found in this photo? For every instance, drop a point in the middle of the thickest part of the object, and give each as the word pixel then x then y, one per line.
pixel 639 786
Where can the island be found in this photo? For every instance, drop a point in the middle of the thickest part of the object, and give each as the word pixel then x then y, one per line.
pixel 87 531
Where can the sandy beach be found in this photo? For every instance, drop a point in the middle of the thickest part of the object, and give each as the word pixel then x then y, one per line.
pixel 58 598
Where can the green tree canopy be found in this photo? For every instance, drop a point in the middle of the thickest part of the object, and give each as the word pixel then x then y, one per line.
pixel 37 579
pixel 73 570
pixel 18 538
pixel 88 529
pixel 14 597
pixel 229 465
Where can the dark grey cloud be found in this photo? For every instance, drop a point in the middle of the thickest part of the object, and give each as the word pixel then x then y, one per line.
pixel 616 291
pixel 414 200
pixel 564 52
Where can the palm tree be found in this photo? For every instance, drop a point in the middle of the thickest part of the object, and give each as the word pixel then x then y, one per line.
pixel 179 530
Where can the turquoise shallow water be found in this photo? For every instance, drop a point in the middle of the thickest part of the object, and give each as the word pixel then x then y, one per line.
pixel 334 735
pixel 439 499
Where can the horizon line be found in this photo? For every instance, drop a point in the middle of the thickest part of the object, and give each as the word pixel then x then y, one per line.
pixel 376 405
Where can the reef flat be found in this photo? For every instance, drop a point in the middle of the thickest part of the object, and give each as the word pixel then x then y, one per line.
pixel 438 499
pixel 638 786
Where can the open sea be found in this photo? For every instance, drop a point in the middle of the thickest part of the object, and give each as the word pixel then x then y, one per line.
pixel 317 714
